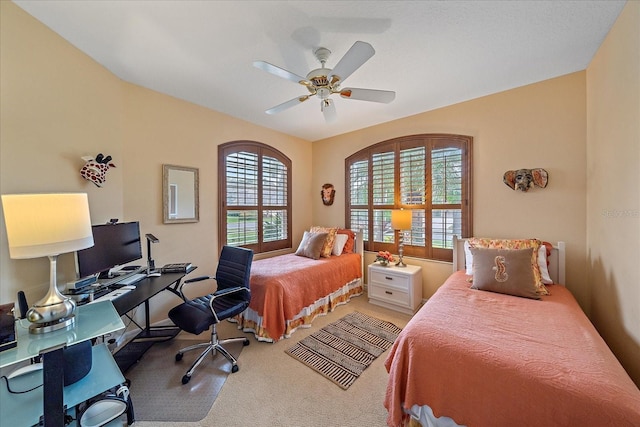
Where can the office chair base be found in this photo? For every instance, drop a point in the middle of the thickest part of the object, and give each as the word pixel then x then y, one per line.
pixel 212 347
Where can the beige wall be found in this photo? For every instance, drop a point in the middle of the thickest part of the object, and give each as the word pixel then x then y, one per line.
pixel 613 188
pixel 59 105
pixel 540 125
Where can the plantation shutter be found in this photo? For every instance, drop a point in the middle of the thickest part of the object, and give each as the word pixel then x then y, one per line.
pixel 430 175
pixel 255 200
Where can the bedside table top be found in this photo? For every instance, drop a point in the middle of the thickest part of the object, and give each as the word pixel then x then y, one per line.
pixel 409 269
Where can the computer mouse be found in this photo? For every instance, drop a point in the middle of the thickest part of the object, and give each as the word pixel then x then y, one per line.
pixel 130 287
pixel 157 274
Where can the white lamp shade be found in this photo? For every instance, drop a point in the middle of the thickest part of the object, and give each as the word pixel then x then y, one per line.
pixel 401 219
pixel 40 225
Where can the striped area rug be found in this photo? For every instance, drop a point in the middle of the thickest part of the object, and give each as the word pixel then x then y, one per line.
pixel 342 350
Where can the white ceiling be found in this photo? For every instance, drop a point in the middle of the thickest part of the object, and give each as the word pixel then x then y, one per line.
pixel 432 53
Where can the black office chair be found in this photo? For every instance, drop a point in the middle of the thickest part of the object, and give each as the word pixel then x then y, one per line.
pixel 231 297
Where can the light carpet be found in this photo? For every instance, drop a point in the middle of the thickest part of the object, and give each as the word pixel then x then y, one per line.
pixel 156 387
pixel 342 350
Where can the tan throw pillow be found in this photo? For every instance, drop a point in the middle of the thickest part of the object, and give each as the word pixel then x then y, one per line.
pixel 506 271
pixel 311 245
pixel 328 244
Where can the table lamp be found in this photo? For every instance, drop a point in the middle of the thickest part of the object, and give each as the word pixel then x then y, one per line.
pixel 401 220
pixel 151 264
pixel 40 225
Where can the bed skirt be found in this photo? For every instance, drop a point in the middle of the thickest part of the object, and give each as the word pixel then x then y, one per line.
pixel 250 321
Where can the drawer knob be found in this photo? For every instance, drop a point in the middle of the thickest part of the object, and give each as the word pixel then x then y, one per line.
pixel 388 292
pixel 388 278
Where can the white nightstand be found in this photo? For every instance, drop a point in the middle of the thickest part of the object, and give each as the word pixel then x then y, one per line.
pixel 397 288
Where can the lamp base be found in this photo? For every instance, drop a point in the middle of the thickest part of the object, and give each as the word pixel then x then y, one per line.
pixel 400 263
pixel 43 328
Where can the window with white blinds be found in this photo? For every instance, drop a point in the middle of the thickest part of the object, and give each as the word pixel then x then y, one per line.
pixel 428 174
pixel 255 203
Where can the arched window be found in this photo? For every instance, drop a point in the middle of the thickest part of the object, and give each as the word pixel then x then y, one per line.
pixel 429 174
pixel 254 196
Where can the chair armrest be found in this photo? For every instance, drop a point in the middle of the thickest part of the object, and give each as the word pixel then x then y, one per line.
pixel 178 289
pixel 198 279
pixel 223 292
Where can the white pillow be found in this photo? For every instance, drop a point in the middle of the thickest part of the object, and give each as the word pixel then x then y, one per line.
pixel 468 258
pixel 542 265
pixel 542 262
pixel 338 244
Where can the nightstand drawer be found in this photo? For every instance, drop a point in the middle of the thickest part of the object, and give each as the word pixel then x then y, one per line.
pixel 390 294
pixel 391 280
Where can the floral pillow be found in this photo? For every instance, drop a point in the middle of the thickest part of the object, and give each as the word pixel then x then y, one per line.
pixel 328 243
pixel 478 242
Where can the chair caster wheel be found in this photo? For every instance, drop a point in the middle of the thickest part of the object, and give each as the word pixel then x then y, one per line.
pixel 185 379
pixel 179 358
pixel 245 342
pixel 234 368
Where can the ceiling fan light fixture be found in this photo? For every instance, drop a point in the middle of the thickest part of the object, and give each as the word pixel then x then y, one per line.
pixel 323 93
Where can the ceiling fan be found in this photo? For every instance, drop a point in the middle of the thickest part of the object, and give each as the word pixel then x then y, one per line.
pixel 324 82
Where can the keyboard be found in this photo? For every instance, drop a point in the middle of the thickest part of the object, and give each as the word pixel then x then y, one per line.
pixel 130 280
pixel 111 295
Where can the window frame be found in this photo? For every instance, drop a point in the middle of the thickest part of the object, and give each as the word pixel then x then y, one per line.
pixel 396 145
pixel 261 150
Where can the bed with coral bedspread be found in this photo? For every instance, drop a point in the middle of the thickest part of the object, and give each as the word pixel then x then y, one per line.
pixel 477 358
pixel 290 291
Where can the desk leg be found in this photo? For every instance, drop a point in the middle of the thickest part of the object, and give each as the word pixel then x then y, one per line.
pixel 53 386
pixel 146 315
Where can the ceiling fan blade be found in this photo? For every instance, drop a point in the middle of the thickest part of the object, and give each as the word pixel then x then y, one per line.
pixel 373 95
pixel 280 72
pixel 328 110
pixel 290 103
pixel 357 55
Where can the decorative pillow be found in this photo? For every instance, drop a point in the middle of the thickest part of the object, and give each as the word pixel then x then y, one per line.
pixel 338 244
pixel 513 244
pixel 328 244
pixel 311 245
pixel 506 271
pixel 543 263
pixel 468 258
pixel 351 240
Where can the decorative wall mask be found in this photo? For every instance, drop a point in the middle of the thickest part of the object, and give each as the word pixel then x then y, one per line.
pixel 524 179
pixel 328 193
pixel 95 170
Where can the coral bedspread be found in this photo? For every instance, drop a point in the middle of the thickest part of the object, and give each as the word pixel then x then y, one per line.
pixel 487 359
pixel 282 286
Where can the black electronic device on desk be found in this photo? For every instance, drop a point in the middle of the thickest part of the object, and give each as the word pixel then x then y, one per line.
pixel 7 327
pixel 182 267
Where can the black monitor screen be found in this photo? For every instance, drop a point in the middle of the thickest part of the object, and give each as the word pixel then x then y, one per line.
pixel 113 245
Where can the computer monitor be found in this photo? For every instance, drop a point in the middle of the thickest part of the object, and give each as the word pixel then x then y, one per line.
pixel 113 245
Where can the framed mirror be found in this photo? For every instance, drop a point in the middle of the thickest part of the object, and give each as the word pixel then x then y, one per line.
pixel 180 194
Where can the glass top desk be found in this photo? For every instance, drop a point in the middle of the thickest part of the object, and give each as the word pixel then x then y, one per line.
pixel 92 321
